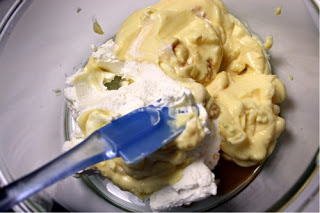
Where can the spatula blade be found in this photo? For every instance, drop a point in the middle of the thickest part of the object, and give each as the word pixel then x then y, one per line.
pixel 141 132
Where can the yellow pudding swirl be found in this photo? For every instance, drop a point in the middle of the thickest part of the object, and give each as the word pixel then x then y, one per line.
pixel 204 48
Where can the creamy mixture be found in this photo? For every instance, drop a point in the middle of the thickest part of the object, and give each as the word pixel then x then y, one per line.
pixel 186 53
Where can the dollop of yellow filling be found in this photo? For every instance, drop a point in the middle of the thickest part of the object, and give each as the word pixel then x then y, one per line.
pixel 249 123
pixel 199 42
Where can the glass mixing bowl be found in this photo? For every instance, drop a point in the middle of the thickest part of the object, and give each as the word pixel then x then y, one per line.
pixel 43 42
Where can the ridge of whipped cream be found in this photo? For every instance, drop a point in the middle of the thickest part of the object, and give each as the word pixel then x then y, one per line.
pixel 196 184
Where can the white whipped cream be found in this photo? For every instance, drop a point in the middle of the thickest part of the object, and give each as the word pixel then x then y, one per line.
pixel 196 184
pixel 149 84
pixel 198 181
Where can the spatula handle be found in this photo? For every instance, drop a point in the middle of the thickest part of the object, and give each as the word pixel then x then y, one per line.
pixel 89 152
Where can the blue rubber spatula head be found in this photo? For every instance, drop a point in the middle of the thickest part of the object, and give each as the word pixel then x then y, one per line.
pixel 132 137
pixel 140 133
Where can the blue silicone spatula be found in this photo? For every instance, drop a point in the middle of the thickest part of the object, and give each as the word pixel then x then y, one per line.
pixel 132 137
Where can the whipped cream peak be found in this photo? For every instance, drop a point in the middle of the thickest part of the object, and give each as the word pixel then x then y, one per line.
pixel 105 51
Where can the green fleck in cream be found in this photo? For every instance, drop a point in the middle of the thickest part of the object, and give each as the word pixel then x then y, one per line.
pixel 57 91
pixel 97 28
pixel 278 11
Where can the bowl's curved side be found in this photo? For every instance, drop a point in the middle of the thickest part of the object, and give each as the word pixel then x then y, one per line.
pixel 39 48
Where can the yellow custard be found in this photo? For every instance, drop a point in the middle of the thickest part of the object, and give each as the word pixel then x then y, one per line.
pixel 205 49
pixel 198 41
